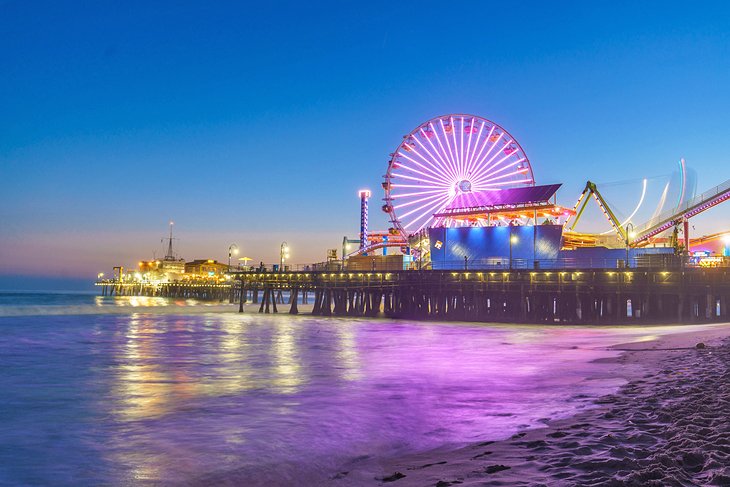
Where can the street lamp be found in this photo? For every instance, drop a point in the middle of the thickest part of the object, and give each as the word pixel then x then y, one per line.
pixel 629 235
pixel 512 240
pixel 726 245
pixel 232 250
pixel 283 255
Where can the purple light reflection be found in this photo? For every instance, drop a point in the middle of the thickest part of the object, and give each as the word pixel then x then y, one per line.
pixel 215 398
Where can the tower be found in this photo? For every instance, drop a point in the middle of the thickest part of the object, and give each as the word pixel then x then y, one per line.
pixel 364 195
pixel 170 254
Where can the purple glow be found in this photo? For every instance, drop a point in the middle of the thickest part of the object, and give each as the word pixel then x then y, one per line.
pixel 220 398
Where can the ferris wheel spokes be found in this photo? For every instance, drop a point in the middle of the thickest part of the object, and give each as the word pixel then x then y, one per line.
pixel 447 156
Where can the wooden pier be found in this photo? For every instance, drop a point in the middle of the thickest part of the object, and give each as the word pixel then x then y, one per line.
pixel 518 296
pixel 181 290
pixel 586 296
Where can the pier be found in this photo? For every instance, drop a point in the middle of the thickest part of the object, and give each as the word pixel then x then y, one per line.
pixel 690 295
pixel 180 290
pixel 522 296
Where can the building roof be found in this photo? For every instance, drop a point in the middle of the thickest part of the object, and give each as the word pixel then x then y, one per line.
pixel 496 200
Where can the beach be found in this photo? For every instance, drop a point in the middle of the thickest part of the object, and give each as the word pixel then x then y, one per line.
pixel 131 391
pixel 666 426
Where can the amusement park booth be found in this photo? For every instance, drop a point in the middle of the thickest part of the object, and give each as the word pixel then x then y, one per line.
pixel 531 247
pixel 498 229
pixel 496 247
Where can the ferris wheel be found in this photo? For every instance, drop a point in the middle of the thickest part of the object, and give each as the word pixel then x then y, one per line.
pixel 445 157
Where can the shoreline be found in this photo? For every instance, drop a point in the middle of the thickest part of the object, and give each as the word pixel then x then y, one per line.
pixel 665 426
pixel 143 306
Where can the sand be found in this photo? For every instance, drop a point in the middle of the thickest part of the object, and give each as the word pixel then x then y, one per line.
pixel 667 426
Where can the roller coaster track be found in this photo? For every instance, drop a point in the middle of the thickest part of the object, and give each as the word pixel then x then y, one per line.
pixel 376 246
pixel 684 212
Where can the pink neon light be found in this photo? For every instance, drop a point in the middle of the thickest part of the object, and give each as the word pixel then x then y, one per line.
pixel 430 211
pixel 436 151
pixel 434 172
pixel 433 175
pixel 424 173
pixel 419 208
pixel 461 151
pixel 488 164
pixel 446 154
pixel 486 182
pixel 435 209
pixel 503 159
pixel 444 169
pixel 470 158
pixel 413 202
pixel 450 154
pixel 497 171
pixel 405 176
pixel 417 193
pixel 425 159
pixel 484 145
pixel 415 186
pixel 456 149
pixel 504 183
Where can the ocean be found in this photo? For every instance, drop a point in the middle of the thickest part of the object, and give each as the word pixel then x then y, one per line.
pixel 148 391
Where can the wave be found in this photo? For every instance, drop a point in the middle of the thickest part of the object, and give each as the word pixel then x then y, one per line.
pixel 42 304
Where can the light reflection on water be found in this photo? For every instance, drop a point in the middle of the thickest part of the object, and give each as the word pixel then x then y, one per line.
pixel 213 398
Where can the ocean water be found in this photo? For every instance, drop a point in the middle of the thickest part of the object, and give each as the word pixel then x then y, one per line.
pixel 130 391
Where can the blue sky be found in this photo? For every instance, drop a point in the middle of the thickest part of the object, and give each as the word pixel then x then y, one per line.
pixel 257 123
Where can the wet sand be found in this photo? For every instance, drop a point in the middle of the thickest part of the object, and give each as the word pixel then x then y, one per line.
pixel 667 426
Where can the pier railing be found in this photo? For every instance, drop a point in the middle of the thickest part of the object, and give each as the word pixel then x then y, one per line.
pixel 581 295
pixel 585 295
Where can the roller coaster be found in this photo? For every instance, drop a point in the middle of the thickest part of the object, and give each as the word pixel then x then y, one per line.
pixel 642 234
pixel 461 170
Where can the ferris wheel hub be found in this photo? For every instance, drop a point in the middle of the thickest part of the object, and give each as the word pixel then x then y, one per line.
pixel 464 186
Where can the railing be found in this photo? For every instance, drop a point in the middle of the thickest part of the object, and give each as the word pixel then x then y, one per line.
pixel 671 215
pixel 650 261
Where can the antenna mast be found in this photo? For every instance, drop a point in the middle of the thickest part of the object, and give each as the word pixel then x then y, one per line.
pixel 170 255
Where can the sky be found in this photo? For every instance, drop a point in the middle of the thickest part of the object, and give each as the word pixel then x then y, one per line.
pixel 257 123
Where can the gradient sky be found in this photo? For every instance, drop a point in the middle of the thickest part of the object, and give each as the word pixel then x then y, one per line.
pixel 258 123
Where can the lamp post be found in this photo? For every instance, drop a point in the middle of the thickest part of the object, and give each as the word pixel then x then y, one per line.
pixel 512 240
pixel 232 249
pixel 283 255
pixel 629 236
pixel 726 245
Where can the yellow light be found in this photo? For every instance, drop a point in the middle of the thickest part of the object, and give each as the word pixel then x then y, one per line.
pixel 513 239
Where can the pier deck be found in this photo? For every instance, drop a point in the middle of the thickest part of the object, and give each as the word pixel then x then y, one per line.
pixel 517 296
pixel 574 296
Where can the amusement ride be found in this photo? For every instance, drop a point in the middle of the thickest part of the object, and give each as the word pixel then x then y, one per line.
pixel 461 170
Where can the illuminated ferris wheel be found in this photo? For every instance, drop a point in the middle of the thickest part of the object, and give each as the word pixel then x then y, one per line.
pixel 445 157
